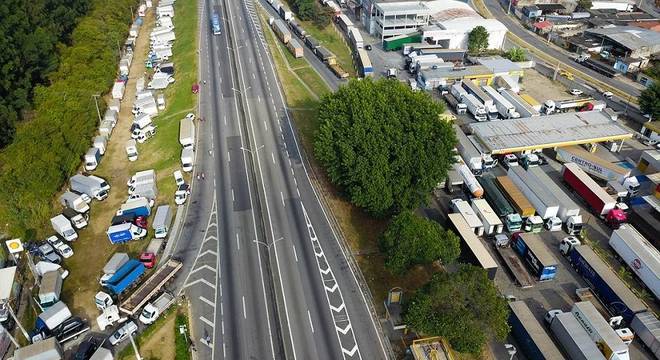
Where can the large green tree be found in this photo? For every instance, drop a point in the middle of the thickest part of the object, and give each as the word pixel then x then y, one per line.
pixel 649 100
pixel 464 307
pixel 584 4
pixel 478 39
pixel 383 144
pixel 412 240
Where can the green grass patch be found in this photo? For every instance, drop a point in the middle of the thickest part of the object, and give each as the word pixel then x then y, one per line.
pixel 313 80
pixel 331 39
pixel 128 353
pixel 181 345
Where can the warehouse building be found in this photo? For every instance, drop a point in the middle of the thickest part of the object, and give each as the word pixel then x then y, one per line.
pixel 550 131
pixel 628 41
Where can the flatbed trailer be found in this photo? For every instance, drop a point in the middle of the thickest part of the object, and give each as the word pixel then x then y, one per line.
pixel 150 287
pixel 515 266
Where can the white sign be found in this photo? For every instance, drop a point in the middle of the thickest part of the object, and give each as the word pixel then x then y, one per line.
pixel 14 246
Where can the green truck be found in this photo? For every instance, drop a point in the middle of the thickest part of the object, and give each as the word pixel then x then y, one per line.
pixel 498 201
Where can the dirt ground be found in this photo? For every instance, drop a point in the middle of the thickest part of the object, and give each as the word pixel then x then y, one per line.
pixel 160 345
pixel 541 88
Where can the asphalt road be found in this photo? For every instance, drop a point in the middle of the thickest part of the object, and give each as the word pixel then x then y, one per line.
pixel 267 277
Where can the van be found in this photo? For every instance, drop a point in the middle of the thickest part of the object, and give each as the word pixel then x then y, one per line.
pixel 162 221
pixel 92 158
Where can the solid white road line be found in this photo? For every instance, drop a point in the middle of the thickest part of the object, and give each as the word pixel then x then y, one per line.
pixel 207 301
pixel 310 321
pixel 207 321
pixel 244 313
pixel 228 156
pixel 282 196
pixel 295 254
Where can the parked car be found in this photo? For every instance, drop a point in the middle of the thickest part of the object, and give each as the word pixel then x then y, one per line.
pixel 87 348
pixel 60 247
pixel 181 194
pixel 190 116
pixel 129 328
pixel 148 259
pixel 141 221
pixel 70 329
pixel 576 92
pixel 47 253
pixel 608 94
pixel 178 178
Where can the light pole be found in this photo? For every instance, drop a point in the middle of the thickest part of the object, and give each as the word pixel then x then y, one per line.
pixel 265 244
pixel 135 348
pixel 511 350
pixel 96 102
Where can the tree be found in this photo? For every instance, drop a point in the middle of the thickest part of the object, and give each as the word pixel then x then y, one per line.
pixel 383 144
pixel 649 100
pixel 464 307
pixel 478 40
pixel 516 54
pixel 412 240
pixel 584 4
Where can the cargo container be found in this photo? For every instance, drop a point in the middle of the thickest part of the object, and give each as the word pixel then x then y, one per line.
pixel 573 338
pixel 532 339
pixel 127 275
pixel 50 288
pixel 52 317
pixel 475 107
pixel 364 63
pixel 344 23
pixel 486 100
pixel 468 151
pixel 325 55
pixel 608 288
pixel 520 203
pixel 281 30
pixel 162 221
pixel 474 250
pixel 397 42
pixel 491 222
pixel 646 219
pixel 503 106
pixel 463 207
pixel 569 211
pixel 545 203
pixel 600 331
pixel 500 204
pixel 592 164
pixel 647 328
pixel 296 48
pixel 640 256
pixel 536 254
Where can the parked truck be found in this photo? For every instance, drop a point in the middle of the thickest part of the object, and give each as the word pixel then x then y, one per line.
pixel 468 152
pixel 600 331
pixel 455 104
pixel 473 221
pixel 48 349
pixel 118 234
pixel 187 133
pixel 475 107
pixel 500 204
pixel 520 203
pixel 573 338
pixel 503 106
pixel 162 221
pixel 149 191
pixel 469 180
pixel 529 334
pixel 50 288
pixel 92 158
pixel 150 286
pixel 63 227
pixel 140 206
pixel 52 317
pixel 141 177
pixel 77 219
pixel 87 185
pixel 540 197
pixel 491 222
pixel 131 150
pixel 522 107
pixel 483 98
pixel 100 142
pixel 613 293
pixel 647 328
pixel 598 199
pixel 112 266
pixel 536 254
pixel 127 276
pixel 152 310
pixel 187 159
pixel 488 161
pixel 74 201
pixel 640 256
pixel 569 211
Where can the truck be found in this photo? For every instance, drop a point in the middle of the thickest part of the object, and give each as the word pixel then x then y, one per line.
pixel 86 185
pixel 540 197
pixel 63 227
pixel 356 38
pixel 469 180
pixel 600 331
pixel 503 106
pixel 141 177
pixel 77 219
pixel 119 234
pixel 149 191
pixel 131 150
pixel 552 106
pixel 482 97
pixel 502 245
pixel 102 354
pixel 569 211
pixel 365 65
pixel 533 341
pixel 463 207
pixel 137 206
pixel 598 199
pixel 531 248
pixel 522 107
pixel 599 167
pixel 613 293
pixel 92 158
pixel 187 133
pixel 573 338
pixel 469 153
pixel 491 222
pixel 487 160
pixel 162 221
pixel 472 249
pixel 520 203
pixel 127 275
pixel 457 91
pixel 500 205
pixel 152 310
pixel 48 349
pixel 647 327
pixel 187 158
pixel 52 317
pixel 454 103
pixel 640 256
pixel 50 288
pixel 100 142
pixel 112 266
pixel 475 107
pixel 150 286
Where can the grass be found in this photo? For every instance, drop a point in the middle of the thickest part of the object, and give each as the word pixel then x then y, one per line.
pixel 156 341
pixel 333 40
pixel 181 345
pixel 161 153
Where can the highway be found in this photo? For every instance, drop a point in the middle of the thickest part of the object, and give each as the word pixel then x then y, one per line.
pixel 267 277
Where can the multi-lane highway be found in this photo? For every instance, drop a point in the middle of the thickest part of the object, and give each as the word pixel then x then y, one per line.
pixel 268 278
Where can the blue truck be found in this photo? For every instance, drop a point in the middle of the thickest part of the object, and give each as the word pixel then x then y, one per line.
pixel 126 276
pixel 137 207
pixel 121 233
pixel 532 339
pixel 531 248
pixel 605 284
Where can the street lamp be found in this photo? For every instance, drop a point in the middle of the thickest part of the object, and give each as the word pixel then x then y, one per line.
pixel 265 244
pixel 511 350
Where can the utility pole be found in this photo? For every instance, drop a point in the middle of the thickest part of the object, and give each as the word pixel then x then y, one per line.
pixel 13 316
pixel 96 102
pixel 135 348
pixel 10 336
pixel 508 11
pixel 554 75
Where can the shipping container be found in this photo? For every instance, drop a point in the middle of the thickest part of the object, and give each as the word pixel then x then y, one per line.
pixel 296 48
pixel 495 197
pixel 535 252
pixel 640 256
pixel 532 339
pixel 520 203
pixel 397 42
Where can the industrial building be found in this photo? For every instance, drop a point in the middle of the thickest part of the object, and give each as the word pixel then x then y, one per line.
pixel 443 76
pixel 628 41
pixel 550 131
pixel 440 22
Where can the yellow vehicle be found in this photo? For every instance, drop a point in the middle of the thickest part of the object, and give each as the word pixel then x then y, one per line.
pixel 567 74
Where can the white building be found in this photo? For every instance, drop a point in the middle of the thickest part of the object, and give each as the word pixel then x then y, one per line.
pixel 444 22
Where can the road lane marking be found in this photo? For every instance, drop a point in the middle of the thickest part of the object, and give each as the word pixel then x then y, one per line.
pixel 258 97
pixel 309 315
pixel 207 301
pixel 282 196
pixel 225 119
pixel 233 198
pixel 238 243
pixel 254 77
pixel 203 267
pixel 244 313
pixel 207 321
pixel 228 156
pixel 295 254
pixel 203 281
pixel 265 126
pixel 272 155
pixel 298 191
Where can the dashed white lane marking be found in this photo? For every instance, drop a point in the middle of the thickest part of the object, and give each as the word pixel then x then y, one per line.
pixel 238 242
pixel 265 125
pixel 233 198
pixel 207 301
pixel 311 325
pixel 203 281
pixel 282 196
pixel 254 77
pixel 207 321
pixel 295 253
pixel 222 325
pixel 225 119
pixel 259 99
pixel 272 155
pixel 244 313
pixel 228 156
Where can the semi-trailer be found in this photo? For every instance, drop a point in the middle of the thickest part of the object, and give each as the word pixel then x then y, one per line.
pixel 150 287
pixel 522 107
pixel 483 98
pixel 573 338
pixel 474 251
pixel 640 256
pixel 491 222
pixel 613 293
pixel 520 203
pixel 544 202
pixel 454 103
pixel 503 106
pixel 606 339
pixel 532 339
pixel 602 203
pixel 469 180
pixel 500 204
pixel 536 254
pixel 463 207
pixel 569 211
pixel 468 152
pixel 647 328
pixel 475 107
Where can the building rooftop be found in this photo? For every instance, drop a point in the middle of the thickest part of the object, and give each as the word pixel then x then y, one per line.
pixel 455 72
pixel 653 126
pixel 506 136
pixel 498 64
pixel 630 37
pixel 550 7
pixel 404 7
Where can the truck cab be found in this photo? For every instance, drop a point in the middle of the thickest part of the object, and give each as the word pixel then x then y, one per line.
pixel 513 222
pixel 509 160
pixel 553 224
pixel 488 161
pixel 615 218
pixel 530 160
pixel 574 225
pixel 103 300
pixel 534 224
pixel 567 244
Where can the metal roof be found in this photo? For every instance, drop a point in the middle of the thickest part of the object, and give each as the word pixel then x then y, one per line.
pixel 6 281
pixel 630 37
pixel 539 132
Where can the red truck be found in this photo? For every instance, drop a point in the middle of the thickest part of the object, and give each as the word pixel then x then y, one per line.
pixel 595 196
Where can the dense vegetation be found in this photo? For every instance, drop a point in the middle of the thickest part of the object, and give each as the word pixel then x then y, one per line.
pixel 310 10
pixel 478 40
pixel 649 100
pixel 31 32
pixel 413 240
pixel 383 144
pixel 516 54
pixel 462 306
pixel 47 149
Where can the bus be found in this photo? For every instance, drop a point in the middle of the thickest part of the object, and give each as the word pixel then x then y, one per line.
pixel 215 23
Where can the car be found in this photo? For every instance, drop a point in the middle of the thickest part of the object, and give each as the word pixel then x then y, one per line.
pixel 178 178
pixel 608 94
pixel 368 47
pixel 551 315
pixel 181 194
pixel 148 259
pixel 576 92
pixel 141 221
pixel 195 88
pixel 70 329
pixel 60 247
pixel 190 116
pixel 87 348
pixel 47 253
pixel 129 328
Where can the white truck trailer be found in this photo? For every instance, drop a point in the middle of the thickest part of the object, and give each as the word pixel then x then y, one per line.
pixel 475 107
pixel 504 107
pixel 522 107
pixel 63 227
pixel 473 221
pixel 603 335
pixel 647 327
pixel 544 202
pixel 573 338
pixel 492 223
pixel 483 98
pixel 468 151
pixel 569 211
pixel 187 133
pixel 48 349
pixel 640 256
